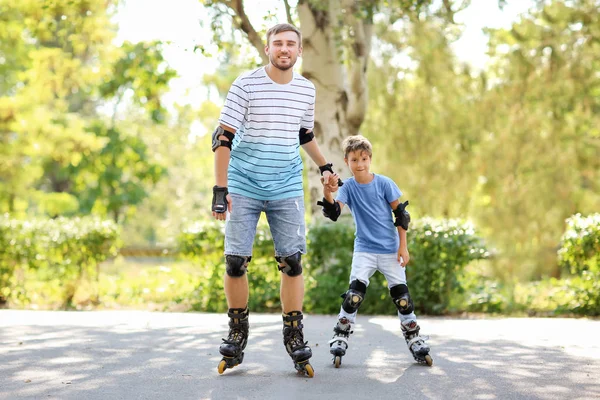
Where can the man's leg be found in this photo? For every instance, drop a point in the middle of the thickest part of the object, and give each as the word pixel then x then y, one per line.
pixel 236 291
pixel 286 221
pixel 239 236
pixel 292 292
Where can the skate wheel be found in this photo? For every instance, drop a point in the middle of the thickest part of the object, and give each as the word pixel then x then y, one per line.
pixel 428 360
pixel 222 367
pixel 309 370
pixel 337 361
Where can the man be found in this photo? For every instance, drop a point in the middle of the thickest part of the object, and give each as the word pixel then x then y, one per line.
pixel 267 116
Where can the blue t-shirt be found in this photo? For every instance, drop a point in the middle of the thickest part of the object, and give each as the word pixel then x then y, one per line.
pixel 370 207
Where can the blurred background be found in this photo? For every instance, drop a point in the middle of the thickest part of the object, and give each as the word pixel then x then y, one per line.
pixel 486 113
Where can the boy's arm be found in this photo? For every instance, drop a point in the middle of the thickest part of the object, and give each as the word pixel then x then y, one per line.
pixel 403 255
pixel 331 207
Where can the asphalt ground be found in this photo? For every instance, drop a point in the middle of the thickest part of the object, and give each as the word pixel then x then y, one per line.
pixel 145 355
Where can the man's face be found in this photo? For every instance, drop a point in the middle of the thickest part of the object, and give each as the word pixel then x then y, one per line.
pixel 283 50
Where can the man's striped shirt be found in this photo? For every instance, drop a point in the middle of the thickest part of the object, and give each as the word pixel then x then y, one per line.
pixel 265 157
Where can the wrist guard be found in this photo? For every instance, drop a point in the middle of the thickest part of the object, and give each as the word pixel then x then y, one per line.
pixel 331 211
pixel 329 167
pixel 402 216
pixel 219 200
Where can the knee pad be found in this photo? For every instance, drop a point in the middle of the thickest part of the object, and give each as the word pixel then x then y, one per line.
pixel 401 298
pixel 236 266
pixel 292 265
pixel 354 296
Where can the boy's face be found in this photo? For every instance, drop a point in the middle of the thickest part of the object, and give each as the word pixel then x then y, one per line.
pixel 359 163
pixel 283 50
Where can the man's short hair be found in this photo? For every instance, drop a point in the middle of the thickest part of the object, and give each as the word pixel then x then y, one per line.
pixel 357 143
pixel 284 28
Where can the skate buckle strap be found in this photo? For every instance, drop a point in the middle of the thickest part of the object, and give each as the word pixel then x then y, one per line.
pixel 417 339
pixel 339 339
pixel 341 331
pixel 235 315
pixel 292 318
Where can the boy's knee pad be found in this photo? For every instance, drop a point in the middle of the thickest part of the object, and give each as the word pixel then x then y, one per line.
pixel 354 296
pixel 292 265
pixel 236 266
pixel 401 298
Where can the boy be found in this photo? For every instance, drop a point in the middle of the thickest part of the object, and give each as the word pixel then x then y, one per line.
pixel 380 245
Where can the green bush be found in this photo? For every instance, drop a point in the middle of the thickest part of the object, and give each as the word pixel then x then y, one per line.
pixel 202 243
pixel 61 252
pixel 580 245
pixel 439 251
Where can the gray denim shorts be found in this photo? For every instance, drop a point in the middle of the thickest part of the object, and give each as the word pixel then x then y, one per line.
pixel 286 222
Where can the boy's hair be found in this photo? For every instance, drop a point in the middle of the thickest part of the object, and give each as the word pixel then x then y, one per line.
pixel 284 28
pixel 357 143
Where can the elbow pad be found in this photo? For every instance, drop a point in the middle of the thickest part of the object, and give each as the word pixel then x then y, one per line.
pixel 402 216
pixel 216 142
pixel 331 211
pixel 305 137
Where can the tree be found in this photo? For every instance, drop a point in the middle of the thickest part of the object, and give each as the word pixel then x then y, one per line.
pixel 65 72
pixel 337 37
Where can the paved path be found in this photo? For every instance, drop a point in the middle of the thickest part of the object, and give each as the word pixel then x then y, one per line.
pixel 142 355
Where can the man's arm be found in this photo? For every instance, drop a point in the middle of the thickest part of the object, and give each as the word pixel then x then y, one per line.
pixel 222 157
pixel 314 152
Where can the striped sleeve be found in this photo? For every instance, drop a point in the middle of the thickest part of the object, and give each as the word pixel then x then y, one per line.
pixel 235 108
pixel 308 120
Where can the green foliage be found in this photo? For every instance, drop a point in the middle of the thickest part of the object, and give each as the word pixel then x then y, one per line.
pixel 580 245
pixel 439 252
pixel 439 249
pixel 548 297
pixel 202 243
pixel 63 252
pixel 514 147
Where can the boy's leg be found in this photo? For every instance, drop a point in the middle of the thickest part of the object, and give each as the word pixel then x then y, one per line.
pixel 363 267
pixel 286 222
pixel 395 274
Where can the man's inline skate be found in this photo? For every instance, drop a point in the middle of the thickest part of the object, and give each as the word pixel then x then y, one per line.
pixel 416 344
pixel 293 339
pixel 233 347
pixel 339 343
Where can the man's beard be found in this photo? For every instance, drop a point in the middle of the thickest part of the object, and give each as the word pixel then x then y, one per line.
pixel 282 67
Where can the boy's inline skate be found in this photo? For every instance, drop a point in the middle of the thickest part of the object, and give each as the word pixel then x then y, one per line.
pixel 297 348
pixel 233 347
pixel 339 343
pixel 416 344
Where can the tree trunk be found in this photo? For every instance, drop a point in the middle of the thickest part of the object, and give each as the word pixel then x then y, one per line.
pixel 340 105
pixel 338 71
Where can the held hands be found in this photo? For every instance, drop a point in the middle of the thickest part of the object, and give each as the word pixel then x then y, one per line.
pixel 403 256
pixel 330 182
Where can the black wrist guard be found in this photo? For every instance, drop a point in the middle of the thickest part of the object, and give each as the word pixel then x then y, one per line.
pixel 402 216
pixel 331 211
pixel 219 200
pixel 326 167
pixel 329 167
